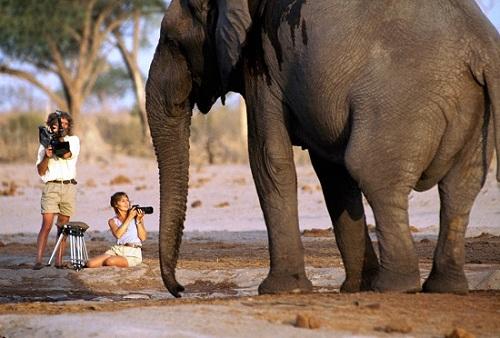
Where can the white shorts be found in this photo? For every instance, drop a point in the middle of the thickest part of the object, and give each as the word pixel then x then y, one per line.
pixel 132 255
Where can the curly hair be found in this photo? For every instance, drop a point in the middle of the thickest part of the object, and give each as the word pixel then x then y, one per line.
pixel 52 119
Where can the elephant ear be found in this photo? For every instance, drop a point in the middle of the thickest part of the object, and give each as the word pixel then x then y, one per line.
pixel 233 23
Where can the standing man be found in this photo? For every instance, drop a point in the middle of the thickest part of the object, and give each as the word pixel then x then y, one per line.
pixel 56 165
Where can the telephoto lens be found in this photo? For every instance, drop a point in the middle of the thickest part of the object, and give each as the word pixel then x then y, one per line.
pixel 146 210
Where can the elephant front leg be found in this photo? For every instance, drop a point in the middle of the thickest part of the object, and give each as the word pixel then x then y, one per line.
pixel 345 205
pixel 273 170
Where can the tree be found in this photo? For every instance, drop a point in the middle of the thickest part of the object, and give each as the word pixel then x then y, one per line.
pixel 130 55
pixel 67 38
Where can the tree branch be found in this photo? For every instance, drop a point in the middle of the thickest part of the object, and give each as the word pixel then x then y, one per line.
pixel 62 70
pixel 99 67
pixel 34 81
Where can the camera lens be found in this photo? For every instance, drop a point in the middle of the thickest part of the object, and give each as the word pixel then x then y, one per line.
pixel 147 210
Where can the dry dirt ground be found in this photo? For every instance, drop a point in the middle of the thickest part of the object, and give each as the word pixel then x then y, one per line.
pixel 223 259
pixel 221 272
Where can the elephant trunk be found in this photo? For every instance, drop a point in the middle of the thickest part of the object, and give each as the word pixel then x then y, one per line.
pixel 170 129
pixel 171 142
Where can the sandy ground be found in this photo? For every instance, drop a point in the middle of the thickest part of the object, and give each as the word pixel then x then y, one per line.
pixel 223 259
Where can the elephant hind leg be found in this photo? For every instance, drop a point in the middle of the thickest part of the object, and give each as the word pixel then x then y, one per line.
pixel 399 271
pixel 457 191
pixel 344 202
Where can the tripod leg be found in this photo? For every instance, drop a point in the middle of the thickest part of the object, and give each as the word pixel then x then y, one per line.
pixel 85 254
pixel 58 243
pixel 79 252
pixel 72 249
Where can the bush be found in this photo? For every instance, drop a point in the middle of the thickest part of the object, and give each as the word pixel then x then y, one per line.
pixel 19 136
pixel 216 138
pixel 123 135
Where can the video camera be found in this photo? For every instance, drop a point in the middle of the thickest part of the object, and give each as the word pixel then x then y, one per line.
pixel 48 138
pixel 146 210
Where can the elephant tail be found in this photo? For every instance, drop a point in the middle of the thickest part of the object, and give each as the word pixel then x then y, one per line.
pixel 492 77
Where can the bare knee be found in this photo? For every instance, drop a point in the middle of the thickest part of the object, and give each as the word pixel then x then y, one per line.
pixel 92 264
pixel 116 261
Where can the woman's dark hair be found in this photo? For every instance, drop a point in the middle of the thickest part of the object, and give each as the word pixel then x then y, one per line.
pixel 52 119
pixel 115 198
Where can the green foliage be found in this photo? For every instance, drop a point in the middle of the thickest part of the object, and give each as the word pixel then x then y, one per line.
pixel 25 26
pixel 114 82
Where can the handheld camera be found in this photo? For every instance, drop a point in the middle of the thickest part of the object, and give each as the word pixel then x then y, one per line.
pixel 49 138
pixel 145 210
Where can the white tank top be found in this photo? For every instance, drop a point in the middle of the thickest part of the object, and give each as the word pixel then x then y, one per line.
pixel 130 236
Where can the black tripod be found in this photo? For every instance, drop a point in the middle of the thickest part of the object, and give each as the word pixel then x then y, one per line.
pixel 74 231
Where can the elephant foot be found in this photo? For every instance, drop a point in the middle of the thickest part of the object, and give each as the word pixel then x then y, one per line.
pixel 446 283
pixel 281 283
pixel 392 281
pixel 351 285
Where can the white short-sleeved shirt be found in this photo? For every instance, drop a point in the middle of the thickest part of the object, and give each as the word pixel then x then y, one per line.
pixel 130 236
pixel 59 168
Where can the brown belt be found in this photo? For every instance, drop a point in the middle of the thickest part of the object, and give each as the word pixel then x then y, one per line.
pixel 71 181
pixel 132 245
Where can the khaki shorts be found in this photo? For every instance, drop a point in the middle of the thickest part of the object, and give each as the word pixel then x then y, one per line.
pixel 132 255
pixel 58 198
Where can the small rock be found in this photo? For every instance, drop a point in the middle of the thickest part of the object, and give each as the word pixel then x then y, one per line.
pixel 373 306
pixel 400 327
pixel 314 323
pixel 414 228
pixel 302 321
pixel 196 204
pixel 460 333
pixel 222 205
pixel 307 188
pixel 307 322
pixel 136 296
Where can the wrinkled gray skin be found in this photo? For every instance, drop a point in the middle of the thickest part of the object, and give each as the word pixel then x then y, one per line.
pixel 387 96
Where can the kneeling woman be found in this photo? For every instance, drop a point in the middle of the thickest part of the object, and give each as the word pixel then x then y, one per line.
pixel 128 228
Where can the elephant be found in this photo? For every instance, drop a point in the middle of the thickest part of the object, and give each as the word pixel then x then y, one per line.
pixel 387 97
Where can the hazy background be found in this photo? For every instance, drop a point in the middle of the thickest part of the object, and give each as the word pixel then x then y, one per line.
pixel 216 138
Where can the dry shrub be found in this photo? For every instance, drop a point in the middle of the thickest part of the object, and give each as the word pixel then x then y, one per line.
pixel 19 136
pixel 120 179
pixel 123 135
pixel 10 188
pixel 318 232
pixel 240 181
pixel 216 138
